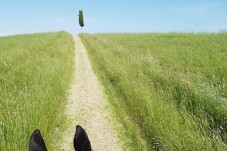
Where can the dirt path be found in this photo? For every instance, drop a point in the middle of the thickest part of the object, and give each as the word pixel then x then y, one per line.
pixel 87 107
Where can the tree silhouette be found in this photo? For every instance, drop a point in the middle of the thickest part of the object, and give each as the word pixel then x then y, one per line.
pixel 81 19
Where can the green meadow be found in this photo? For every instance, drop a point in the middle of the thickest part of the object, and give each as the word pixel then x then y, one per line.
pixel 168 91
pixel 35 73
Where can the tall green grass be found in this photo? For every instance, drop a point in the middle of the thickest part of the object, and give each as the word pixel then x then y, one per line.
pixel 172 86
pixel 35 73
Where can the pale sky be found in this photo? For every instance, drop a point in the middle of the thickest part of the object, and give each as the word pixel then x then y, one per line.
pixel 27 16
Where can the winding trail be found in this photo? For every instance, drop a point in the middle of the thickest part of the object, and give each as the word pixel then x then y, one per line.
pixel 87 107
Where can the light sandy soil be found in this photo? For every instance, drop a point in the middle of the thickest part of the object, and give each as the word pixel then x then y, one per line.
pixel 87 107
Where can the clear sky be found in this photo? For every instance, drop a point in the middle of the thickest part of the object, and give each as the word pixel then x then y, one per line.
pixel 31 16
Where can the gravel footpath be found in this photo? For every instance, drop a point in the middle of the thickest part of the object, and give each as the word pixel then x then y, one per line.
pixel 87 107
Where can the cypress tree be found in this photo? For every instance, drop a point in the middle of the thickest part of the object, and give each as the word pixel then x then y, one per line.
pixel 81 19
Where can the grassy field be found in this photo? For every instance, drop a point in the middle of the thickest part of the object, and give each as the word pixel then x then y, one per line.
pixel 168 91
pixel 35 73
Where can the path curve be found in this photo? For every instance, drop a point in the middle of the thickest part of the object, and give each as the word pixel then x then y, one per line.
pixel 87 107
